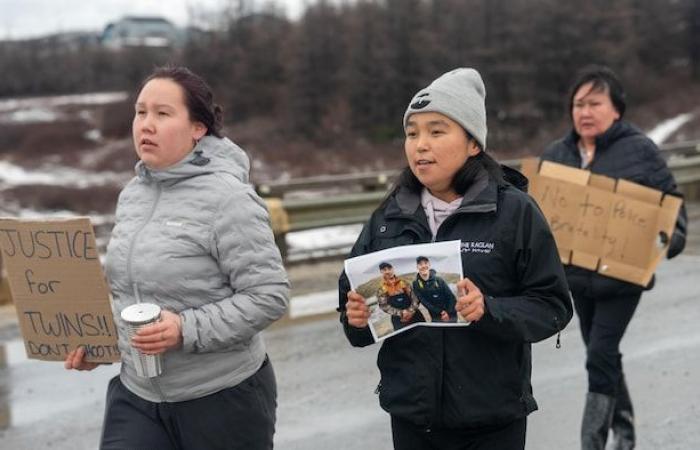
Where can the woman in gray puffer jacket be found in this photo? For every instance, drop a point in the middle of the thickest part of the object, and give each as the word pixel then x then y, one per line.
pixel 192 236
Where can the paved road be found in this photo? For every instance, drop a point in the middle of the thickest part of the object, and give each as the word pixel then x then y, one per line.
pixel 325 386
pixel 326 398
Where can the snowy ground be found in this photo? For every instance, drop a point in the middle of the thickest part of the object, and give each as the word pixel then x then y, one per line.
pixel 660 133
pixel 13 175
pixel 50 103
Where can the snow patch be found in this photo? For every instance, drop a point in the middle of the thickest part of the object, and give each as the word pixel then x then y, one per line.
pixel 14 175
pixel 95 219
pixel 312 304
pixel 31 115
pixel 93 135
pixel 338 236
pixel 96 98
pixel 662 131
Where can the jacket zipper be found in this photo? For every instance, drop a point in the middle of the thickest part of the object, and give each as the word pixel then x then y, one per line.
pixel 452 217
pixel 437 415
pixel 134 284
pixel 129 257
pixel 459 211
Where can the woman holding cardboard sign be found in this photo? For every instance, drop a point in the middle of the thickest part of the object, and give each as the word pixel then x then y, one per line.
pixel 605 144
pixel 192 237
pixel 467 386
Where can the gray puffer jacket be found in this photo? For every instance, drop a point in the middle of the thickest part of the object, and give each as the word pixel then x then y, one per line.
pixel 196 239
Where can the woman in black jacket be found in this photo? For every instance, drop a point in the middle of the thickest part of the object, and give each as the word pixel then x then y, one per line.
pixel 605 144
pixel 463 387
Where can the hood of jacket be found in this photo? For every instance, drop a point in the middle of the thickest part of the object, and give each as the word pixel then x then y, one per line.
pixel 517 179
pixel 211 154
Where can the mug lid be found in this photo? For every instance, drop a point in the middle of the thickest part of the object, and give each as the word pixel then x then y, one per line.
pixel 140 313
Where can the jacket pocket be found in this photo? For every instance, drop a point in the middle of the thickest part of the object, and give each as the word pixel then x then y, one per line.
pixel 185 235
pixel 406 390
pixel 484 380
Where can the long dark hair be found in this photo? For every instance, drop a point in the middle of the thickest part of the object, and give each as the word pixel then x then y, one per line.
pixel 199 98
pixel 464 177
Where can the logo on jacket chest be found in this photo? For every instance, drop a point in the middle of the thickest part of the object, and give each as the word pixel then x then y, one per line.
pixel 477 247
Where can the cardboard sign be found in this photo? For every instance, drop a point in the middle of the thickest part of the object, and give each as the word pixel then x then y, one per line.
pixel 603 224
pixel 58 288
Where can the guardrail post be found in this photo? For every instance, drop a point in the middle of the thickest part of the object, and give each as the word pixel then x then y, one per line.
pixel 279 220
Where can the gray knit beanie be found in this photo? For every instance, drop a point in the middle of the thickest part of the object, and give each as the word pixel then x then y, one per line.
pixel 460 95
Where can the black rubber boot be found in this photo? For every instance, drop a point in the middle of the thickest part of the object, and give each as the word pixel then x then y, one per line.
pixel 623 419
pixel 597 418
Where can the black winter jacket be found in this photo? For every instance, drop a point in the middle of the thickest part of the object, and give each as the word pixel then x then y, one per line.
pixel 434 294
pixel 477 375
pixel 623 151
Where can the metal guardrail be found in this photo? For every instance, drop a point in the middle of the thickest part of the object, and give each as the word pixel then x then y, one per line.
pixel 685 148
pixel 368 181
pixel 686 171
pixel 332 208
pixel 305 214
pixel 381 180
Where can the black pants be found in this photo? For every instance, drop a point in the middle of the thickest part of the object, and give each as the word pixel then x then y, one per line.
pixel 603 323
pixel 408 436
pixel 240 418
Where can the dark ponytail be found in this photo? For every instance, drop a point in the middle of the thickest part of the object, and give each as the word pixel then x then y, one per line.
pixel 466 175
